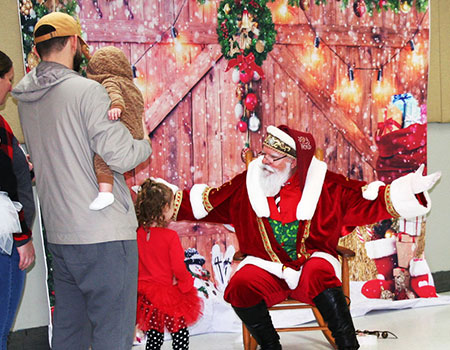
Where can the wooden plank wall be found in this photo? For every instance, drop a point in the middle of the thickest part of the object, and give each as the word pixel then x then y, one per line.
pixel 197 142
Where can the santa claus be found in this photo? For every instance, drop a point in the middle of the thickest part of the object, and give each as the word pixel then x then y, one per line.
pixel 289 212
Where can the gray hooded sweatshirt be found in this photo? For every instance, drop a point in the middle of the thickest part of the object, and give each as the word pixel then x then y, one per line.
pixel 64 120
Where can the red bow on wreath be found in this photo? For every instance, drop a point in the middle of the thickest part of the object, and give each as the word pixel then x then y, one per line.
pixel 245 63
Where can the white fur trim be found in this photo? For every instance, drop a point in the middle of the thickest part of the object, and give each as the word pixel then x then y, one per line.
pixel 195 196
pixel 272 267
pixel 281 135
pixel 371 191
pixel 332 260
pixel 404 200
pixel 290 275
pixel 381 248
pixel 418 267
pixel 312 190
pixel 255 192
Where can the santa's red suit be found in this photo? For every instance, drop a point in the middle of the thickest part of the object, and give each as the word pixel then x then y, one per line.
pixel 314 209
pixel 328 204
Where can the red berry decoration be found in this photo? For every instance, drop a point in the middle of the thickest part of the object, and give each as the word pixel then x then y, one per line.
pixel 242 126
pixel 246 76
pixel 251 101
pixel 359 7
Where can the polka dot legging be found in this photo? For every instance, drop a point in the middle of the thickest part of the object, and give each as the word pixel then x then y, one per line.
pixel 155 339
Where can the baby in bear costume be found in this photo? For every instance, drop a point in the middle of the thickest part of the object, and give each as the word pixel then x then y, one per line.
pixel 110 67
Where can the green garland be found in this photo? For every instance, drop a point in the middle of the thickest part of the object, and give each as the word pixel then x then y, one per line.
pixel 371 5
pixel 229 13
pixel 377 5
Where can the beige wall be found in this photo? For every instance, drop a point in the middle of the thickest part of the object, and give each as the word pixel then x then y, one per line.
pixel 439 84
pixel 10 43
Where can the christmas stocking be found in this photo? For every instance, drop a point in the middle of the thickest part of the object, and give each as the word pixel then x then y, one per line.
pixel 421 279
pixel 384 253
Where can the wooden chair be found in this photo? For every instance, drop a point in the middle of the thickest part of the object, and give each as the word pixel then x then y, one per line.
pixel 289 304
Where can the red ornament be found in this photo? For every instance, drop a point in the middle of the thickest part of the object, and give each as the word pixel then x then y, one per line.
pixel 242 126
pixel 359 7
pixel 246 76
pixel 251 101
pixel 382 3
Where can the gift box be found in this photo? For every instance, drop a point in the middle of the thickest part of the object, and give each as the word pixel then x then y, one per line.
pixel 406 249
pixel 412 227
pixel 409 108
pixel 389 120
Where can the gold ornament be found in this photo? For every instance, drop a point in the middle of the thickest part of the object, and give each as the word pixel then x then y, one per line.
pixel 405 7
pixel 240 92
pixel 234 49
pixel 227 8
pixel 32 60
pixel 259 46
pixel 389 233
pixel 304 5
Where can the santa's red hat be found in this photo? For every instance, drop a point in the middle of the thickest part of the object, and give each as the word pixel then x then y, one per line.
pixel 294 144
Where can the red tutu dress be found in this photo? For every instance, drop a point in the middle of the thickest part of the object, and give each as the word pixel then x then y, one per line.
pixel 166 293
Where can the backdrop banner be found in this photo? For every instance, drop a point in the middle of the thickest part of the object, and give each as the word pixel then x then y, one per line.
pixel 215 74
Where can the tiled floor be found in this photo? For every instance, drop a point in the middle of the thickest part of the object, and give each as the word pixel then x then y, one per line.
pixel 426 328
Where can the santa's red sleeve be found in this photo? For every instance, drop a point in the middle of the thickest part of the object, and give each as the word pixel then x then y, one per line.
pixel 205 203
pixel 377 201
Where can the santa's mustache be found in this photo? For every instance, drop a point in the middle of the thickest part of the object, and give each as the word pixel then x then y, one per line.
pixel 267 168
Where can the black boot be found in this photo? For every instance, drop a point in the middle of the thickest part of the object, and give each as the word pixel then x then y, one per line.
pixel 259 324
pixel 333 307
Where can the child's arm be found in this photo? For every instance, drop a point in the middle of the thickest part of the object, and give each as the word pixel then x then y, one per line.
pixel 182 275
pixel 115 94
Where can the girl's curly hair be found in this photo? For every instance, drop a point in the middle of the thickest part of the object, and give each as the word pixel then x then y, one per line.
pixel 152 199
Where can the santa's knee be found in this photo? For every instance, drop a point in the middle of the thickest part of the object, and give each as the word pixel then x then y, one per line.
pixel 241 292
pixel 317 276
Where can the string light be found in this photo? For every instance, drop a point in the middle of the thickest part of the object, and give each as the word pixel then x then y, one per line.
pixel 351 70
pixel 316 42
pixel 173 33
pixel 351 75
pixel 380 74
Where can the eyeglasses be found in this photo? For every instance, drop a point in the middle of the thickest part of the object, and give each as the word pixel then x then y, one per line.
pixel 272 159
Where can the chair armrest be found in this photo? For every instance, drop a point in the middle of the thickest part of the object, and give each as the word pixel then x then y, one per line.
pixel 239 256
pixel 345 252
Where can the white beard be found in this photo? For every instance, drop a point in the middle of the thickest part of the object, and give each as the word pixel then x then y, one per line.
pixel 272 180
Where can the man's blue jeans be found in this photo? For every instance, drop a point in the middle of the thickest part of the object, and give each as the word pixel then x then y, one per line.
pixel 11 286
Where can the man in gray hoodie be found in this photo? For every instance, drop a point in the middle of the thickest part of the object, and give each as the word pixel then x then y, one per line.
pixel 64 119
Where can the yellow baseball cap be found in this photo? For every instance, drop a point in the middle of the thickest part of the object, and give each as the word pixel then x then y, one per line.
pixel 63 24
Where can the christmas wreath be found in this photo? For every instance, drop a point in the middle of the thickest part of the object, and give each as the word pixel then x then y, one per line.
pixel 245 27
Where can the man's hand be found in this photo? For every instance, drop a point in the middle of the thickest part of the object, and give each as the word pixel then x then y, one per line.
pixel 114 113
pixel 146 133
pixel 422 183
pixel 26 254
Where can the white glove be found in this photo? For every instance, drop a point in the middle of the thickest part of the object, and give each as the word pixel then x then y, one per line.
pixel 173 187
pixel 420 183
pixel 291 277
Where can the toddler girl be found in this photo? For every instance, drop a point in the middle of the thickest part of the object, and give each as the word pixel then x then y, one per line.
pixel 166 293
